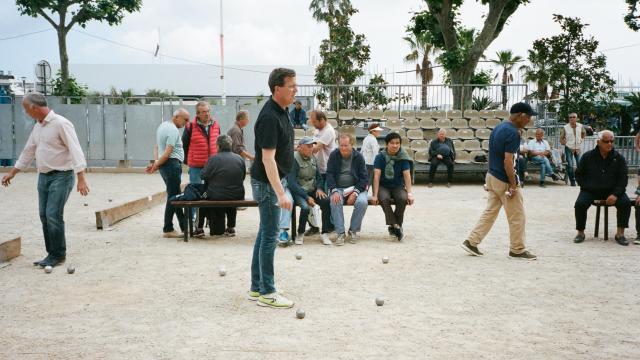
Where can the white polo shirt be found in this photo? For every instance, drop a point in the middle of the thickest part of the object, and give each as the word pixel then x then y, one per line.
pixel 534 145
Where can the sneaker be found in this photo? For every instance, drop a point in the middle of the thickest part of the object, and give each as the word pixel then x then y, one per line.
pixel 473 250
pixel 172 235
pixel 230 232
pixel 340 239
pixel 555 177
pixel 353 237
pixel 284 236
pixel 524 256
pixel 275 300
pixel 254 295
pixel 299 239
pixel 312 231
pixel 622 240
pixel 637 240
pixel 542 185
pixel 578 239
pixel 198 233
pixel 325 239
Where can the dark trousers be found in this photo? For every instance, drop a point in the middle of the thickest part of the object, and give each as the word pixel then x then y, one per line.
pixel 585 199
pixel 217 219
pixel 522 167
pixel 53 191
pixel 325 209
pixel 399 195
pixel 171 172
pixel 434 166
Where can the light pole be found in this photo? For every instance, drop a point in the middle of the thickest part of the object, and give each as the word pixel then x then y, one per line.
pixel 224 93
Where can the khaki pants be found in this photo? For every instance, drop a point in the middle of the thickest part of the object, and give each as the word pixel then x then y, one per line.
pixel 513 207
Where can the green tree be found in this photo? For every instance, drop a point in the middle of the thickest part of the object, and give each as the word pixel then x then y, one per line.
pixel 420 51
pixel 440 25
pixel 344 53
pixel 72 12
pixel 632 18
pixel 157 93
pixel 506 61
pixel 575 67
pixel 74 89
pixel 538 70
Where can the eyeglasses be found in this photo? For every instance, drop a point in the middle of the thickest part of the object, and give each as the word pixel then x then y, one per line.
pixel 573 117
pixel 607 141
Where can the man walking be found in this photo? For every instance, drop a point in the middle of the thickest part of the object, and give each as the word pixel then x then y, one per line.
pixel 502 184
pixel 571 136
pixel 169 144
pixel 237 135
pixel 54 145
pixel 274 159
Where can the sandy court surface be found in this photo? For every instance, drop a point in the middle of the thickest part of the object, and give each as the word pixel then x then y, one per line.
pixel 137 295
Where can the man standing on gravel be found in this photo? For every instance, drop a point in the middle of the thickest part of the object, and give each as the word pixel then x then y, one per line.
pixel 503 185
pixel 274 160
pixel 54 145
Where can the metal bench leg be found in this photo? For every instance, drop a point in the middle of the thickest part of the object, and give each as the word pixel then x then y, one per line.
pixel 595 234
pixel 293 222
pixel 189 224
pixel 606 223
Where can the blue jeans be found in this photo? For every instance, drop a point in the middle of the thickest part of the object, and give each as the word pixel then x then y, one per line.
pixel 570 156
pixel 194 178
pixel 285 215
pixel 171 172
pixel 262 273
pixel 545 166
pixel 359 209
pixel 53 192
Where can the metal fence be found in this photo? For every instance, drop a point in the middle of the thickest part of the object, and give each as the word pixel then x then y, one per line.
pixel 625 145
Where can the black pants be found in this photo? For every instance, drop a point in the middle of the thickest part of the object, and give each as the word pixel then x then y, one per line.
pixel 399 195
pixel 217 217
pixel 522 167
pixel 585 199
pixel 171 171
pixel 434 166
pixel 305 210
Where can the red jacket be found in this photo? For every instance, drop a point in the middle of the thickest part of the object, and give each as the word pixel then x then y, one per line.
pixel 199 148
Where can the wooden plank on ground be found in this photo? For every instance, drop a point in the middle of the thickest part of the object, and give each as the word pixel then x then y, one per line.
pixel 10 249
pixel 108 217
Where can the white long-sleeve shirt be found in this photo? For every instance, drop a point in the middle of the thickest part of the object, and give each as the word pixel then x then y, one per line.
pixel 54 145
pixel 370 149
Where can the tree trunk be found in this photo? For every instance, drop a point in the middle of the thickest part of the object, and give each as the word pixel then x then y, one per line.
pixel 461 91
pixel 424 76
pixel 505 80
pixel 64 60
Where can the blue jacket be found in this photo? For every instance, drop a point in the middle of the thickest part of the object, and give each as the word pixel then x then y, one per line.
pixel 358 169
pixel 301 121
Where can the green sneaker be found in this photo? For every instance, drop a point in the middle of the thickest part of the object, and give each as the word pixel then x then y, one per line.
pixel 253 295
pixel 275 300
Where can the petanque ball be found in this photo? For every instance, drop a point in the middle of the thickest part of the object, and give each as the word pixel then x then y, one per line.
pixel 300 314
pixel 379 301
pixel 385 259
pixel 71 270
pixel 299 256
pixel 110 200
pixel 86 204
pixel 222 272
pixel 48 269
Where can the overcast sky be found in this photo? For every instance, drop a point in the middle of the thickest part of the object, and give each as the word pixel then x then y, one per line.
pixel 282 32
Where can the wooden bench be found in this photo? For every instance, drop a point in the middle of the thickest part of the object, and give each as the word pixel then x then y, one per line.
pixel 602 203
pixel 188 205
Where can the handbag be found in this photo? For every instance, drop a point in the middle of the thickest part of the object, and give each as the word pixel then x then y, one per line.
pixel 314 216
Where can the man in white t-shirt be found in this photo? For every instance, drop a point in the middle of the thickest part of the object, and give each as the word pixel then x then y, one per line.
pixel 539 151
pixel 325 139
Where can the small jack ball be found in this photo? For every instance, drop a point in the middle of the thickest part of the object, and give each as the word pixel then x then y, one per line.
pixel 379 301
pixel 385 259
pixel 298 256
pixel 71 270
pixel 222 272
pixel 48 269
pixel 300 314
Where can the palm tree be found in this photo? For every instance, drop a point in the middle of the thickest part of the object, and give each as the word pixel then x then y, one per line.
pixel 420 51
pixel 506 61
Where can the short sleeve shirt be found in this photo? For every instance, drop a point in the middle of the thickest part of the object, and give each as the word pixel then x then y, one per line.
pixel 398 168
pixel 327 137
pixel 505 138
pixel 273 130
pixel 168 134
pixel 534 145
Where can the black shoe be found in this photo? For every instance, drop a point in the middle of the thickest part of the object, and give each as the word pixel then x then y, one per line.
pixel 53 261
pixel 230 232
pixel 555 177
pixel 312 231
pixel 578 239
pixel 542 185
pixel 391 231
pixel 466 245
pixel 198 233
pixel 622 240
pixel 399 233
pixel 524 256
pixel 37 263
pixel 573 183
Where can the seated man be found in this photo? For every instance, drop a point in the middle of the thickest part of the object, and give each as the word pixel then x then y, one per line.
pixel 347 181
pixel 539 151
pixel 224 175
pixel 602 175
pixel 441 150
pixel 305 187
pixel 523 158
pixel 298 116
pixel 392 180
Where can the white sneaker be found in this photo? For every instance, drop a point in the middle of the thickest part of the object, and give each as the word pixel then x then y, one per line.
pixel 299 239
pixel 353 237
pixel 275 300
pixel 340 240
pixel 325 239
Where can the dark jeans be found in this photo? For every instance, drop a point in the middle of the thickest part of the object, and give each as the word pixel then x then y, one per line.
pixel 217 219
pixel 434 166
pixel 171 172
pixel 262 272
pixel 522 166
pixel 570 156
pixel 584 201
pixel 305 210
pixel 399 195
pixel 53 191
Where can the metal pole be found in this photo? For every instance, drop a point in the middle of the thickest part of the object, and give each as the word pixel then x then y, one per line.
pixel 224 93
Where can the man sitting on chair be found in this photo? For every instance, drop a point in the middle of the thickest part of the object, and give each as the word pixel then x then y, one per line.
pixel 539 151
pixel 441 151
pixel 602 175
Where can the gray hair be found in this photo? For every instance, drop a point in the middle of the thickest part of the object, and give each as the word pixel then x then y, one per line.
pixel 442 130
pixel 203 103
pixel 602 133
pixel 35 99
pixel 242 114
pixel 224 143
pixel 180 111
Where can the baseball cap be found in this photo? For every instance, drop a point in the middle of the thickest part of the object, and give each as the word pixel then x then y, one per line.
pixel 522 108
pixel 306 140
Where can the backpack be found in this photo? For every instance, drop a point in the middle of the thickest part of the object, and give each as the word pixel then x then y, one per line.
pixel 193 192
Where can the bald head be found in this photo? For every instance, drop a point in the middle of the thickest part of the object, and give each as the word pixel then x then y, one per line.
pixel 180 117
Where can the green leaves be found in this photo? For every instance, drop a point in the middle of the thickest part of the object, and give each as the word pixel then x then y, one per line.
pixel 632 19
